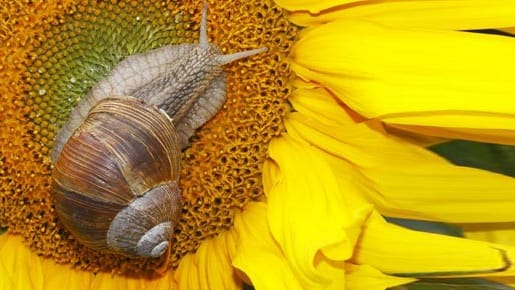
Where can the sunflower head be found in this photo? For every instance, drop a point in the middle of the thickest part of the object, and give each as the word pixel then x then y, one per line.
pixel 65 48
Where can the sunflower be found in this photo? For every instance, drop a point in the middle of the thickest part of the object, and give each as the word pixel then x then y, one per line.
pixel 286 187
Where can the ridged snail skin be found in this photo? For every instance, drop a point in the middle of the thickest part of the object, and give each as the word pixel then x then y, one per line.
pixel 185 80
pixel 117 159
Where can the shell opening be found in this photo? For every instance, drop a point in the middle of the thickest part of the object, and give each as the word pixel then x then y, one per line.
pixel 159 250
pixel 154 242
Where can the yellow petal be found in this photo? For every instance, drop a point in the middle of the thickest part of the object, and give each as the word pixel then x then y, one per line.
pixel 446 14
pixel 508 281
pixel 258 255
pixel 509 30
pixel 415 138
pixel 502 233
pixel 210 266
pixel 349 276
pixel 308 210
pixel 367 277
pixel 423 78
pixel 319 104
pixel 6 280
pixel 396 250
pixel 19 268
pixel 62 277
pixel 331 268
pixel 22 269
pixel 500 136
pixel 405 180
pixel 313 6
pixel 107 281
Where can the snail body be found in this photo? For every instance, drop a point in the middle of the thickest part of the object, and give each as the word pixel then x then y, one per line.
pixel 117 159
pixel 185 80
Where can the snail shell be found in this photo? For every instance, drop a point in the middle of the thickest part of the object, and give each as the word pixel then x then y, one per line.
pixel 119 166
pixel 116 160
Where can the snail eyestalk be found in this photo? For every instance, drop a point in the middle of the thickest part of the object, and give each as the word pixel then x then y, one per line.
pixel 228 58
pixel 203 27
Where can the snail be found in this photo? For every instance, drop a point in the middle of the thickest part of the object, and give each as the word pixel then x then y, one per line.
pixel 116 160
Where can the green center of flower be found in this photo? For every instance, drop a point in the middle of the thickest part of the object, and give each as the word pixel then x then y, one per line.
pixel 73 56
pixel 221 170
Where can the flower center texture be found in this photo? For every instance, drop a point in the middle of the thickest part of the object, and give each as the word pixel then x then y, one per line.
pixel 54 53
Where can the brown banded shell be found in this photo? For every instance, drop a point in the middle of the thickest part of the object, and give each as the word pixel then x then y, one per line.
pixel 115 180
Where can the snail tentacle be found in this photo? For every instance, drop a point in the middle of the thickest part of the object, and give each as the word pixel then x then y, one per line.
pixel 228 58
pixel 203 41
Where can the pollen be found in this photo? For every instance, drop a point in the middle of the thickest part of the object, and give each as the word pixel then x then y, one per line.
pixel 51 56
